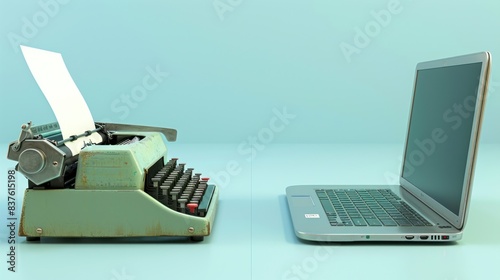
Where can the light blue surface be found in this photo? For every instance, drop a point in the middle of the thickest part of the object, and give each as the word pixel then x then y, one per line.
pixel 343 69
pixel 253 236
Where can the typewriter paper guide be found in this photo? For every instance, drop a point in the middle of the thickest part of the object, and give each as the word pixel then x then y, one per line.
pixel 66 101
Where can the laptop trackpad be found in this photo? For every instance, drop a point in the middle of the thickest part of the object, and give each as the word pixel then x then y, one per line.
pixel 302 201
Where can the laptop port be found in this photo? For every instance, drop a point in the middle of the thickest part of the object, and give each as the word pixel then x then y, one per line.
pixel 409 237
pixel 424 237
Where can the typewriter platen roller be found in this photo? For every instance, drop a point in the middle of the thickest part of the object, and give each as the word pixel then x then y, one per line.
pixel 122 187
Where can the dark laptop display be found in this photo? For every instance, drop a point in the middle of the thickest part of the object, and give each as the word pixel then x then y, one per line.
pixel 440 131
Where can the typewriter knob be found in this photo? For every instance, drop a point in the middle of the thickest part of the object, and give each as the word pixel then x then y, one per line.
pixel 32 161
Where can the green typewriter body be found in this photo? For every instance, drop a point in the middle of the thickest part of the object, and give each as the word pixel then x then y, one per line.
pixel 122 187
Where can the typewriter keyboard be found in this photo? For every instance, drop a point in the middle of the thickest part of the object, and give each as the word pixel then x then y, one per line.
pixel 179 189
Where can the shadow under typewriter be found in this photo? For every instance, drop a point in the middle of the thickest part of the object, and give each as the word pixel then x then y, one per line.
pixel 121 187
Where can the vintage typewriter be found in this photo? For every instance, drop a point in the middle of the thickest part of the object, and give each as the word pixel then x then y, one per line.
pixel 121 187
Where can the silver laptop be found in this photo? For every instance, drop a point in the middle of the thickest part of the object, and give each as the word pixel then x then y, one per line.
pixel 430 204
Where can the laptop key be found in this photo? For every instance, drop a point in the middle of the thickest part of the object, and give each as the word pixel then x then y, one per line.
pixel 322 195
pixel 373 222
pixel 332 218
pixel 403 222
pixel 327 206
pixel 369 216
pixel 358 222
pixel 388 222
pixel 416 222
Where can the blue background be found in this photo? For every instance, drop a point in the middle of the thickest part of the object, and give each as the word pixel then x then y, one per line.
pixel 233 63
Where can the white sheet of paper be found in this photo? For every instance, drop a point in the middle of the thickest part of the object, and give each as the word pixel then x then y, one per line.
pixel 71 110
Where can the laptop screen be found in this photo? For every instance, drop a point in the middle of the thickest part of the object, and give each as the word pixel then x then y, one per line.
pixel 440 131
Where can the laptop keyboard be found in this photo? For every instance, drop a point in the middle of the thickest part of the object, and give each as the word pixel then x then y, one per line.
pixel 380 207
